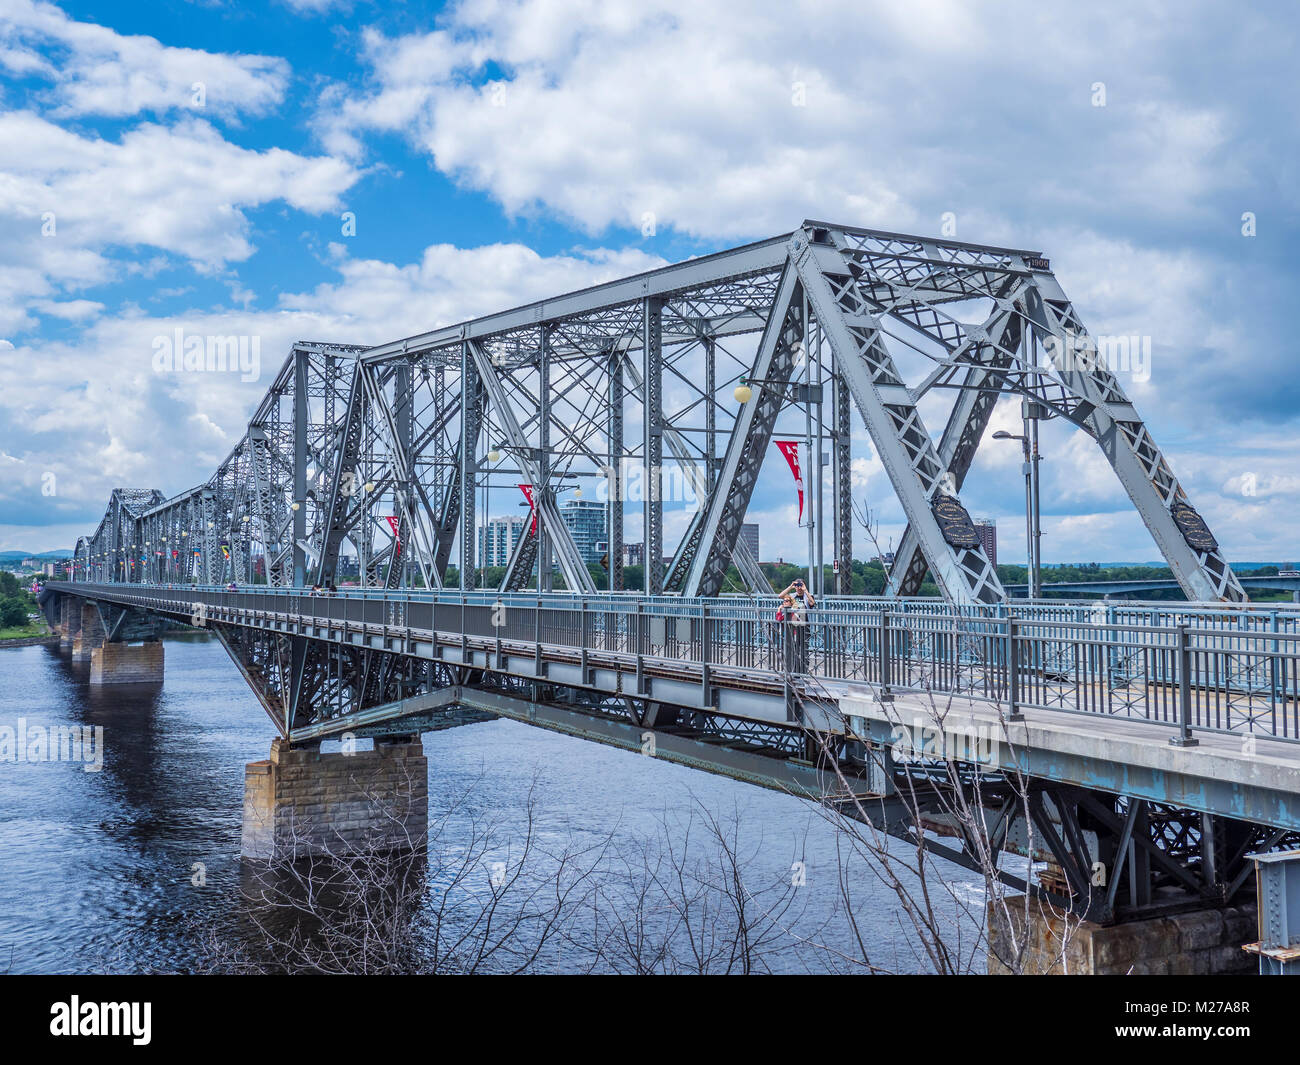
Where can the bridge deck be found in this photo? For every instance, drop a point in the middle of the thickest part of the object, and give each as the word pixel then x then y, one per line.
pixel 1101 706
pixel 1257 781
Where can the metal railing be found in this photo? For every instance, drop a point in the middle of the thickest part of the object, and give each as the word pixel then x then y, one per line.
pixel 1191 667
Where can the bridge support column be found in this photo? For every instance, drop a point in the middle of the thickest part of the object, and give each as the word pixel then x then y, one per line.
pixel 69 621
pixel 1199 943
pixel 90 632
pixel 301 803
pixel 123 663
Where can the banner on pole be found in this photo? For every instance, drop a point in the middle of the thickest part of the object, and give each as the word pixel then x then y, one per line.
pixel 790 449
pixel 527 489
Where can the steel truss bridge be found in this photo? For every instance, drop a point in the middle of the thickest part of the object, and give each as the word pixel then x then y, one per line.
pixel 383 455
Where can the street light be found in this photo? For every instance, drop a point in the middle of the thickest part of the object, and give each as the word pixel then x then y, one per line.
pixel 1033 518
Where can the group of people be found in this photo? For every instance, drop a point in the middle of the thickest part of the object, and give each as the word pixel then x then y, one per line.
pixel 796 601
pixel 792 626
pixel 327 589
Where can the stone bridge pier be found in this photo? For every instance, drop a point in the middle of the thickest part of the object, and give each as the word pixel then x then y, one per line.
pixel 125 663
pixel 302 803
pixel 69 623
pixel 1037 940
pixel 121 648
pixel 90 632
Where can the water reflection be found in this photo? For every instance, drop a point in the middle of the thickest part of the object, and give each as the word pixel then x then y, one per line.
pixel 136 867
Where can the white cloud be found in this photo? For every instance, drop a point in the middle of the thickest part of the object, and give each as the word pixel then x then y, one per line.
pixel 313 7
pixel 377 300
pixel 727 126
pixel 76 200
pixel 101 72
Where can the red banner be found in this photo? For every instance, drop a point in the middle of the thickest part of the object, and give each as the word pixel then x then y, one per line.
pixel 790 449
pixel 527 489
pixel 394 523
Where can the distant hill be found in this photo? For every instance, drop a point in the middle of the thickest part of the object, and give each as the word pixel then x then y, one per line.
pixel 8 558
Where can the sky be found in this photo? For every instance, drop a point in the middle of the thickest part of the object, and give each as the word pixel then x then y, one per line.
pixel 194 166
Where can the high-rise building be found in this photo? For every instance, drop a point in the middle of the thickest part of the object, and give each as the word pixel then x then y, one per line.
pixel 633 554
pixel 587 521
pixel 749 537
pixel 987 529
pixel 497 541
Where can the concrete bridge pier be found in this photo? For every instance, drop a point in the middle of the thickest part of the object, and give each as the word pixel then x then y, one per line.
pixel 1196 943
pixel 302 803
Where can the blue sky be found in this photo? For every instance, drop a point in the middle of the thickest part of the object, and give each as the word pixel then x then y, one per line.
pixel 495 152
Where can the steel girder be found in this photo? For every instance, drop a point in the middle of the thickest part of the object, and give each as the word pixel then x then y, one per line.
pixel 534 464
pixel 840 295
pixel 242 523
pixel 1032 344
pixel 1104 858
pixel 393 464
pixel 697 472
pixel 1194 558
pixel 967 422
pixel 707 546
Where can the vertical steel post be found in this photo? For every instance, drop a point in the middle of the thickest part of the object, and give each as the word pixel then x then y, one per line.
pixel 816 391
pixel 1277 887
pixel 1035 499
pixel 886 695
pixel 584 622
pixel 1014 713
pixel 842 486
pixel 711 460
pixel 300 460
pixel 468 467
pixel 1184 737
pixel 652 450
pixel 812 462
pixel 545 556
pixel 404 401
pixel 705 655
pixel 615 471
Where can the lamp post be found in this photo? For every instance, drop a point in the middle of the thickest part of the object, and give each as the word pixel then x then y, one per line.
pixel 1033 525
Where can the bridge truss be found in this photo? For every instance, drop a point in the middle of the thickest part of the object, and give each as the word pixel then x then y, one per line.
pixel 385 455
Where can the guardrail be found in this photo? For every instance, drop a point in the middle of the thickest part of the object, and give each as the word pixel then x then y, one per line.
pixel 1192 667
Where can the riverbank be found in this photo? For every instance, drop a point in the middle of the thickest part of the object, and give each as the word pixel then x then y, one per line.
pixel 28 641
pixel 34 632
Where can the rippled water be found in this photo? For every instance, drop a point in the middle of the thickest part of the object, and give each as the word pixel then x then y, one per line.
pixel 96 868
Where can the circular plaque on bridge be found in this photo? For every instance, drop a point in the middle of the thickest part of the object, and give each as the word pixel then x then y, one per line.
pixel 954 522
pixel 1193 527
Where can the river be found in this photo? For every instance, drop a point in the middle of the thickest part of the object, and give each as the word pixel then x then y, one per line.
pixel 114 870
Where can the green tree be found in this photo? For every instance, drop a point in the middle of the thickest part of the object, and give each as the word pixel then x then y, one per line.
pixel 13 612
